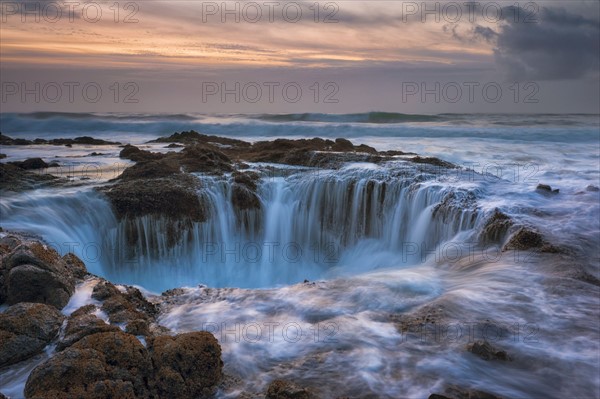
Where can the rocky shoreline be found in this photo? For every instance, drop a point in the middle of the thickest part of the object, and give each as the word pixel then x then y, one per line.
pixel 114 345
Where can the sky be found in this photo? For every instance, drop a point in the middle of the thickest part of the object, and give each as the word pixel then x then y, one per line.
pixel 295 56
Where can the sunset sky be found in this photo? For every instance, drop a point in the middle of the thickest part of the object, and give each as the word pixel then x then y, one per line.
pixel 371 51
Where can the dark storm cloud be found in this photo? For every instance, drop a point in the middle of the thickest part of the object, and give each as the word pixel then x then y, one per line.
pixel 558 45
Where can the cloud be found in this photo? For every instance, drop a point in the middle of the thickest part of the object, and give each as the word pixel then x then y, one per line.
pixel 558 45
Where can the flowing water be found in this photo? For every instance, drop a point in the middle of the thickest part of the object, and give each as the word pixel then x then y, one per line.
pixel 379 246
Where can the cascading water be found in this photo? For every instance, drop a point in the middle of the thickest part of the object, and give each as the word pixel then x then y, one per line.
pixel 311 225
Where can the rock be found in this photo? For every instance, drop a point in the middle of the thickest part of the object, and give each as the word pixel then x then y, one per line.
pixel 2 156
pixel 54 165
pixel 454 392
pixel 546 189
pixel 5 140
pixel 31 163
pixel 104 290
pixel 76 266
pixel 592 188
pixel 133 153
pixel 342 145
pixel 14 178
pixel 524 239
pixel 205 159
pixel 281 389
pixel 243 198
pixel 125 307
pixel 495 228
pixel 433 161
pixel 103 365
pixel 80 325
pixel 33 272
pixel 26 329
pixel 175 197
pixel 187 365
pixel 484 350
pixel 174 145
pixel 138 327
pixel 195 137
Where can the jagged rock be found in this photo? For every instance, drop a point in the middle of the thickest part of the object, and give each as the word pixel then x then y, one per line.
pixel 14 178
pixel 433 161
pixel 592 188
pixel 2 156
pixel 104 290
pixel 484 350
pixel 175 197
pixel 33 272
pixel 496 227
pixel 187 365
pixel 133 153
pixel 26 329
pixel 342 145
pixel 281 389
pixel 195 137
pixel 454 392
pixel 200 158
pixel 546 189
pixel 138 327
pixel 124 307
pixel 31 163
pixel 102 365
pixel 524 239
pixel 82 324
pixel 243 198
pixel 75 265
pixel 5 140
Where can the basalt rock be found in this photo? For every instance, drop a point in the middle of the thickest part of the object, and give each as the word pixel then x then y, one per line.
pixel 82 324
pixel 546 189
pixel 524 239
pixel 125 307
pixel 187 365
pixel 102 365
pixel 31 164
pixel 281 389
pixel 495 228
pixel 433 161
pixel 5 140
pixel 33 272
pixel 26 329
pixel 192 137
pixel 486 351
pixel 16 179
pixel 454 392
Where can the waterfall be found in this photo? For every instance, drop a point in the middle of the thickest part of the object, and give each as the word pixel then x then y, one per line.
pixel 309 226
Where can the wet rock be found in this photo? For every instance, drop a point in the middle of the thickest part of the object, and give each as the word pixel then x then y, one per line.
pixel 187 365
pixel 433 161
pixel 135 154
pixel 138 327
pixel 454 392
pixel 248 179
pixel 2 156
pixel 546 189
pixel 342 145
pixel 31 164
pixel 496 227
pixel 151 169
pixel 75 265
pixel 103 365
pixel 82 324
pixel 14 178
pixel 5 140
pixel 205 159
pixel 486 351
pixel 175 197
pixel 104 290
pixel 281 389
pixel 192 136
pixel 33 272
pixel 524 239
pixel 243 198
pixel 26 329
pixel 54 165
pixel 592 188
pixel 174 145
